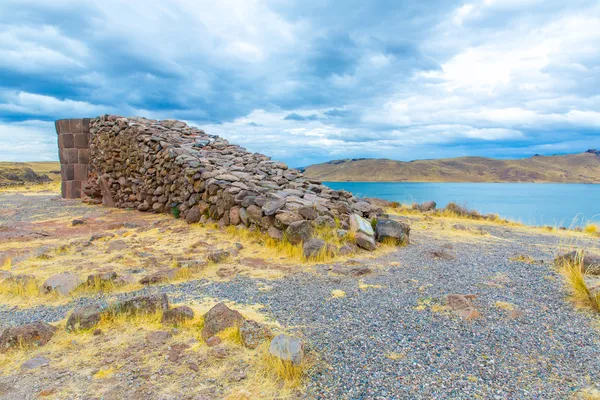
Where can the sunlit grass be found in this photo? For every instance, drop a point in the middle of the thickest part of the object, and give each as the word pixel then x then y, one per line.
pixel 578 288
pixel 591 229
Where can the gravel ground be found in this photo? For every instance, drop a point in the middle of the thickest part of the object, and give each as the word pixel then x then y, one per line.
pixel 388 343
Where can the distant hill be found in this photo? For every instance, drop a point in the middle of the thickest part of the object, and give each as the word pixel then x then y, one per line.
pixel 570 168
pixel 18 173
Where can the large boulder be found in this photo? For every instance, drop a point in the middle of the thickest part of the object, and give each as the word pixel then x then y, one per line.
pixel 84 318
pixel 219 318
pixel 287 348
pixel 143 305
pixel 33 334
pixel 298 232
pixel 387 229
pixel 359 224
pixel 365 241
pixel 63 283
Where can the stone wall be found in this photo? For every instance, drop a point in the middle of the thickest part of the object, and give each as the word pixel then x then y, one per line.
pixel 73 150
pixel 167 166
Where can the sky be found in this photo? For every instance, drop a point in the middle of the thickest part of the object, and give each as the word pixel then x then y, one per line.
pixel 310 81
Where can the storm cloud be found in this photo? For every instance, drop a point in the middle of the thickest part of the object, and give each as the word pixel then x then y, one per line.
pixel 306 83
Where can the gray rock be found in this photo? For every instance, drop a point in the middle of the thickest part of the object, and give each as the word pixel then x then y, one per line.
pixel 287 218
pixel 84 318
pixel 33 334
pixel 177 315
pixel 219 318
pixel 428 206
pixel 313 247
pixel 359 224
pixel 308 213
pixel 64 283
pixel 143 305
pixel 35 362
pixel 271 207
pixel 287 348
pixel 298 232
pixel 365 241
pixel 254 333
pixel 275 233
pixel 325 220
pixel 387 229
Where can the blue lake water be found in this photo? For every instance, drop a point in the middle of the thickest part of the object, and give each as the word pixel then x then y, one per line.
pixel 555 204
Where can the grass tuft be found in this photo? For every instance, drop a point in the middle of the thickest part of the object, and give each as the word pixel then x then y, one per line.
pixel 337 293
pixel 290 375
pixel 591 229
pixel 575 280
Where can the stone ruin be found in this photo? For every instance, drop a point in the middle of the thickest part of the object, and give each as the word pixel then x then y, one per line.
pixel 168 166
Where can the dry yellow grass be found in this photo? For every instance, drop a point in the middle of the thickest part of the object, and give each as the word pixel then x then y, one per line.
pixel 336 294
pixel 580 293
pixel 84 352
pixel 591 229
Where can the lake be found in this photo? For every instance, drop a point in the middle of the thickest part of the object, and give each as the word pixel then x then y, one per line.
pixel 555 204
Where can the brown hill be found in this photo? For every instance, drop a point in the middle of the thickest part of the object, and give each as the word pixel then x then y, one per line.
pixel 571 168
pixel 15 173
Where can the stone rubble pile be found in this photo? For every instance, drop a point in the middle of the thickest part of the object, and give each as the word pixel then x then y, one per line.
pixel 168 166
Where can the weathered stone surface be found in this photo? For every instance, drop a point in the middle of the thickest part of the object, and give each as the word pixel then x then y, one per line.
pixel 63 283
pixel 308 213
pixel 143 305
pixel 164 275
pixel 359 224
pixel 300 231
pixel 313 247
pixel 387 229
pixel 158 337
pixel 271 207
pixel 193 215
pixel 33 334
pixel 100 278
pixel 218 256
pixel 428 206
pixel 35 362
pixel 352 270
pixel 254 333
pixel 287 348
pixel 275 233
pixel 84 318
pixel 325 220
pixel 287 218
pixel 219 318
pixel 156 166
pixel 365 241
pixel 177 315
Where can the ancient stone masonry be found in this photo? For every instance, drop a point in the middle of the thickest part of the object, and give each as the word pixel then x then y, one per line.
pixel 167 166
pixel 73 150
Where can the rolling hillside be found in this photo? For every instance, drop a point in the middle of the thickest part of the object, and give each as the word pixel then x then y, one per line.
pixel 571 168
